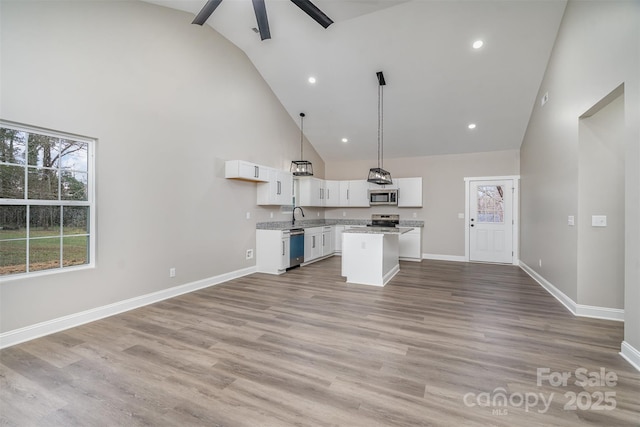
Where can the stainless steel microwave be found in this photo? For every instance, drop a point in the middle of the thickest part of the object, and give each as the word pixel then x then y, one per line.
pixel 383 197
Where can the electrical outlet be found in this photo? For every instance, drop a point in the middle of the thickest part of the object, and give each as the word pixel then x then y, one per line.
pixel 599 221
pixel 172 272
pixel 571 220
pixel 248 215
pixel 249 253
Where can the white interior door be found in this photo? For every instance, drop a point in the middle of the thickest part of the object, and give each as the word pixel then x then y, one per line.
pixel 491 224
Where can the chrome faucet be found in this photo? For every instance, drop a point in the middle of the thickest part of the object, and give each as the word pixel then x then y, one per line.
pixel 293 221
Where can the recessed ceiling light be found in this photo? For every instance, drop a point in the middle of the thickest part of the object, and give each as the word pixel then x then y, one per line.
pixel 312 80
pixel 345 140
pixel 477 44
pixel 472 126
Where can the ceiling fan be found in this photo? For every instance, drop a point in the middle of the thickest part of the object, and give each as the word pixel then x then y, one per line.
pixel 261 14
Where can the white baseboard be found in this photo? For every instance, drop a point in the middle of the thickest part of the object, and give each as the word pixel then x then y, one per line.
pixel 38 330
pixel 600 312
pixel 630 354
pixel 576 309
pixel 437 257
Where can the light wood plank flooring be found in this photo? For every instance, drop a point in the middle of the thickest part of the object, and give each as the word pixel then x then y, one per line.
pixel 433 347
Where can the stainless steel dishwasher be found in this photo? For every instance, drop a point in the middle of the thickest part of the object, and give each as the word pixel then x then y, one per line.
pixel 296 247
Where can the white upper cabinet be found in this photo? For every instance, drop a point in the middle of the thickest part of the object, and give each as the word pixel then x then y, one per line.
pixel 409 192
pixel 278 190
pixel 332 194
pixel 311 192
pixel 315 192
pixel 239 169
pixel 354 193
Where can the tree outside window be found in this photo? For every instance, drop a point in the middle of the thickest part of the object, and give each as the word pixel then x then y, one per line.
pixel 46 203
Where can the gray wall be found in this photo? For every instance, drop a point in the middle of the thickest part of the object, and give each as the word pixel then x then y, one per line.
pixel 442 192
pixel 601 192
pixel 597 49
pixel 168 102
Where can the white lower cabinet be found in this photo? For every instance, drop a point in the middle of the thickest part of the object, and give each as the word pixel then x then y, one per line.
pixel 272 251
pixel 312 243
pixel 411 245
pixel 327 241
pixel 318 242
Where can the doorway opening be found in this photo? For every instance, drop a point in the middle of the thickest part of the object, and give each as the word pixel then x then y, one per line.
pixel 601 204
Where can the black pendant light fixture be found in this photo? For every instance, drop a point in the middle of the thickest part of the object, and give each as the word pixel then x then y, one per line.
pixel 379 175
pixel 301 167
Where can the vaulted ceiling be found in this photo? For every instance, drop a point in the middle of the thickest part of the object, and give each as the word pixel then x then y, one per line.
pixel 437 83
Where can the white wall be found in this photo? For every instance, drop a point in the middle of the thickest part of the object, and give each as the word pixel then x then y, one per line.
pixel 597 49
pixel 169 102
pixel 442 188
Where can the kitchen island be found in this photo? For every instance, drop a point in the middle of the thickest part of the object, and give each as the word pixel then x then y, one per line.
pixel 370 255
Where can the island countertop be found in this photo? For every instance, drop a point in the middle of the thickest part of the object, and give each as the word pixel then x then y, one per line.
pixel 379 230
pixel 286 225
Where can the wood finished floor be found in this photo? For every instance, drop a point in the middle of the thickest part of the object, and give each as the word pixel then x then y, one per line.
pixel 306 349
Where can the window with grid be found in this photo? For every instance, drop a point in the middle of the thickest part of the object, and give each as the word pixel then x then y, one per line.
pixel 490 203
pixel 46 200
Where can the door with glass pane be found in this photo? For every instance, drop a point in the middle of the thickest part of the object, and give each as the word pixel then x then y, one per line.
pixel 491 221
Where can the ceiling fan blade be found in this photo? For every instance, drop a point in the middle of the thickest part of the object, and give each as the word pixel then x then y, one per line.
pixel 315 13
pixel 206 12
pixel 261 16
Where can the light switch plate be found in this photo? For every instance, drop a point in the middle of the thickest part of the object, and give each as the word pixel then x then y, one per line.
pixel 571 220
pixel 460 216
pixel 598 220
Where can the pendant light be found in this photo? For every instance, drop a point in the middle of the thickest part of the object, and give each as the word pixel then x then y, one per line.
pixel 301 167
pixel 379 175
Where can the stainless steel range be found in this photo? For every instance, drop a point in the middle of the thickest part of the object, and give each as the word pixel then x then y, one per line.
pixel 384 220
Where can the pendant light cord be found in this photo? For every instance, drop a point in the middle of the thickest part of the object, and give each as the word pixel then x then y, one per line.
pixel 301 133
pixel 380 126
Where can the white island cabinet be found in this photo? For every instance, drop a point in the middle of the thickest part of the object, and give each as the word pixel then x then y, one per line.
pixel 411 245
pixel 369 256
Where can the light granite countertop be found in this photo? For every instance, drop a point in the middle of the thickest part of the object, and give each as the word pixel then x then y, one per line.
pixel 379 230
pixel 286 225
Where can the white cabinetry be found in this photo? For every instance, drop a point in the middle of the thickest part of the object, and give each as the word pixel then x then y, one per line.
pixel 411 245
pixel 409 192
pixel 354 193
pixel 332 193
pixel 337 238
pixel 278 190
pixel 239 169
pixel 272 251
pixel 327 241
pixel 311 192
pixel 312 243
